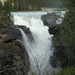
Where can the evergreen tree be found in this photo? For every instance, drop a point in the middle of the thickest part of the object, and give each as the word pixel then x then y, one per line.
pixel 7 7
pixel 69 25
pixel 67 33
pixel 15 6
pixel 1 6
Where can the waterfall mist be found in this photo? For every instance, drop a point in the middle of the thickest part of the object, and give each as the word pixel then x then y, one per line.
pixel 40 49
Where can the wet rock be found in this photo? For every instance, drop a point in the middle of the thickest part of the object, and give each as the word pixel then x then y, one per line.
pixel 25 29
pixel 49 19
pixel 27 32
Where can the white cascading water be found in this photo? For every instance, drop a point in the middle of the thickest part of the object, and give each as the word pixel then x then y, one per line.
pixel 40 49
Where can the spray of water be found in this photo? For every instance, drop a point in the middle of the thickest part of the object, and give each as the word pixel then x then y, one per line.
pixel 40 49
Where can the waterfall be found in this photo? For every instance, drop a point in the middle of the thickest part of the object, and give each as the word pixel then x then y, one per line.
pixel 40 49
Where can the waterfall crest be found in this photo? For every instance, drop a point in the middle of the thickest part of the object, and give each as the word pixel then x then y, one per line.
pixel 40 49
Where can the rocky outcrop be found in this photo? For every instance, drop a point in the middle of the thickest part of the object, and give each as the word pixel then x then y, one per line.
pixel 14 59
pixel 7 34
pixel 25 29
pixel 27 32
pixel 12 32
pixel 49 19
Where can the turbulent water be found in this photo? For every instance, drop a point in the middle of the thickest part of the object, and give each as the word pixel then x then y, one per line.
pixel 40 49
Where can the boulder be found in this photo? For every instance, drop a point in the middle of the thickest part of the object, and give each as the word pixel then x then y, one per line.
pixel 49 19
pixel 7 34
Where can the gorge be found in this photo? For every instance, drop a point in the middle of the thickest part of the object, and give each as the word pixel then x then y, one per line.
pixel 29 31
pixel 40 47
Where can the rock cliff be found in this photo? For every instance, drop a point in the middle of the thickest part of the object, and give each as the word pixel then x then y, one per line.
pixel 14 59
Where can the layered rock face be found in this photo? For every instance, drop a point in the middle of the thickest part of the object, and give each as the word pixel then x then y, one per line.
pixel 14 59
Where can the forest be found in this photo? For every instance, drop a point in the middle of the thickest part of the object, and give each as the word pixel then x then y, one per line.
pixel 29 5
pixel 66 37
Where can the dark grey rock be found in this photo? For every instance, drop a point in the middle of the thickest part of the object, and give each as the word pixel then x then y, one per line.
pixel 7 34
pixel 25 29
pixel 49 19
pixel 27 32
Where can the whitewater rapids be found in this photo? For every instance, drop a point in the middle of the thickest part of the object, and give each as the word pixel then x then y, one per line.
pixel 40 49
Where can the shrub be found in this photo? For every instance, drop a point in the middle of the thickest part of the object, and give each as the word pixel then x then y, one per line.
pixel 66 71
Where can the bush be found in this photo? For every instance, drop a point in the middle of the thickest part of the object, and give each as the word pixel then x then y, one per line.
pixel 66 71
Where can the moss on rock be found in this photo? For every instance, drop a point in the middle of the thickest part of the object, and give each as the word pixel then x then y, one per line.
pixel 5 20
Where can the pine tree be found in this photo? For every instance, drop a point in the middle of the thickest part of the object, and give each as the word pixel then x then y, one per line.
pixel 1 6
pixel 7 7
pixel 68 32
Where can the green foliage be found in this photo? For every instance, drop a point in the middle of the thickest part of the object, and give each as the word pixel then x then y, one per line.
pixel 66 71
pixel 7 7
pixel 26 5
pixel 66 36
pixel 20 5
pixel 1 7
pixel 5 20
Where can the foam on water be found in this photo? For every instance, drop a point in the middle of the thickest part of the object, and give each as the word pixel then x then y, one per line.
pixel 40 49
